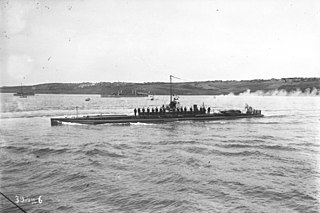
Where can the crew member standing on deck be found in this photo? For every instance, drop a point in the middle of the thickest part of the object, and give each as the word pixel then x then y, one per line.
pixel 135 112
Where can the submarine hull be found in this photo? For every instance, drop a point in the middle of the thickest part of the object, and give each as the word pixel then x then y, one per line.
pixel 94 120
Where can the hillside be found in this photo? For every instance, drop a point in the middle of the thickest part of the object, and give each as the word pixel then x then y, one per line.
pixel 183 88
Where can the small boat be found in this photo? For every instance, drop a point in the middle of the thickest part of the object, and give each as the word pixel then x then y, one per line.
pixel 23 94
pixel 172 112
pixel 87 99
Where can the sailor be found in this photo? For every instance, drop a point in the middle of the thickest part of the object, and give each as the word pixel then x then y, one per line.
pixel 148 110
pixel 138 111
pixel 174 103
pixel 152 110
pixel 209 110
pixel 143 110
pixel 135 112
pixel 185 109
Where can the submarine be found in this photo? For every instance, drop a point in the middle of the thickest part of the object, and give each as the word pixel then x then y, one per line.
pixel 169 113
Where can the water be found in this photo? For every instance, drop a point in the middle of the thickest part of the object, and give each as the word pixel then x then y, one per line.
pixel 268 164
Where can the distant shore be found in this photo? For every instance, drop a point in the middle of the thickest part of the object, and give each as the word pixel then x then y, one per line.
pixel 260 86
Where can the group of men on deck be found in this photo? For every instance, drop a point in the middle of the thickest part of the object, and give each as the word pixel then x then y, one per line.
pixel 171 110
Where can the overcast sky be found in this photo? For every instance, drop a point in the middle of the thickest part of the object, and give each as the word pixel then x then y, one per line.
pixel 147 40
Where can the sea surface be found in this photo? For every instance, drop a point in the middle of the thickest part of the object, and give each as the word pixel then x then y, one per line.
pixel 269 164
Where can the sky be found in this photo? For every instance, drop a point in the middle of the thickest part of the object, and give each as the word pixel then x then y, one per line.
pixel 46 41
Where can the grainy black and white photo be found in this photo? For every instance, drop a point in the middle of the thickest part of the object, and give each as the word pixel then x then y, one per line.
pixel 159 106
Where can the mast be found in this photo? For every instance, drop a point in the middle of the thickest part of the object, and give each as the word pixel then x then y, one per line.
pixel 77 111
pixel 171 88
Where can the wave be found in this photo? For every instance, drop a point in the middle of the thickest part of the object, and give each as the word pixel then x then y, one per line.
pixel 46 151
pixel 17 149
pixel 264 147
pixel 34 114
pixel 49 175
pixel 95 163
pixel 232 152
pixel 307 92
pixel 244 153
pixel 35 151
pixel 103 153
pixel 177 142
pixel 73 177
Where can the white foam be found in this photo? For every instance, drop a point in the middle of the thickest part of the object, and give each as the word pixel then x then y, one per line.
pixel 71 124
pixel 308 92
pixel 142 124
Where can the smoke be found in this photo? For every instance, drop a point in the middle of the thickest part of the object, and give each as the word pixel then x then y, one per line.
pixel 308 92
